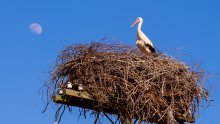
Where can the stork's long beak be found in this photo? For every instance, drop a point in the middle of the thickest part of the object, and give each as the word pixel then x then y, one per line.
pixel 134 23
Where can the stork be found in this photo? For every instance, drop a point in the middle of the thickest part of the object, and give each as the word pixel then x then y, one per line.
pixel 60 91
pixel 80 87
pixel 69 85
pixel 142 41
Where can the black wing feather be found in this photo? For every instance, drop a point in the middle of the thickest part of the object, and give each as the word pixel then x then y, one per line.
pixel 151 48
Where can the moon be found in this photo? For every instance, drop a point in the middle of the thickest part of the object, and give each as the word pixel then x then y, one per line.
pixel 36 28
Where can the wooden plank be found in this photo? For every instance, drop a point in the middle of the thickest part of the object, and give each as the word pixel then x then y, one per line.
pixel 80 94
pixel 84 100
pixel 73 101
pixel 80 99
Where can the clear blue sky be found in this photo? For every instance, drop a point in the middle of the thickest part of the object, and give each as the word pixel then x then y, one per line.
pixel 189 26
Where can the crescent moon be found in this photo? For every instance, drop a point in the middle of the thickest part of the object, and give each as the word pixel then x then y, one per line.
pixel 36 28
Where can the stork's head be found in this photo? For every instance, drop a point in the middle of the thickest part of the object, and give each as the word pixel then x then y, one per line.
pixel 138 20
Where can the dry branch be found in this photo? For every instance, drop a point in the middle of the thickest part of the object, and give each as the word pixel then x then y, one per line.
pixel 153 88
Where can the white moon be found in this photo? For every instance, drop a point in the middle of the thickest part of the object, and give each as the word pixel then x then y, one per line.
pixel 36 28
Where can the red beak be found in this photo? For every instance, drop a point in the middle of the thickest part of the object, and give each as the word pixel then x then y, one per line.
pixel 134 23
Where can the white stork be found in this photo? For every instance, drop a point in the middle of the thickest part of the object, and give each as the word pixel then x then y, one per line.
pixel 143 42
pixel 69 85
pixel 80 87
pixel 61 85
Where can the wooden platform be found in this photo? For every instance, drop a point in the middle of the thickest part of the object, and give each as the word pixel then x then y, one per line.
pixel 84 100
pixel 79 99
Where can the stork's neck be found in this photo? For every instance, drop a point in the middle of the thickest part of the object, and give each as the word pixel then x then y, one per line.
pixel 139 27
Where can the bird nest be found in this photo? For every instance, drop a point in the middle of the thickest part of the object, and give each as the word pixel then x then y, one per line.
pixel 148 88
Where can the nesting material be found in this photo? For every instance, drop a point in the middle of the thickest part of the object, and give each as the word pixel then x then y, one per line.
pixel 152 87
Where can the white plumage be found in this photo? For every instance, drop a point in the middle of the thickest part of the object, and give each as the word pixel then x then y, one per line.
pixel 80 87
pixel 60 92
pixel 69 85
pixel 142 41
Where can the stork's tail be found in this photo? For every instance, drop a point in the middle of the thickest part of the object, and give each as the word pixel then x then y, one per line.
pixel 156 52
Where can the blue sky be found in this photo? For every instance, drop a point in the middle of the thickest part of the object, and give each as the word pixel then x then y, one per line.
pixel 189 27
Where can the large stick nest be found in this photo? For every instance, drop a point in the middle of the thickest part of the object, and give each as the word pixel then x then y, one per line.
pixel 133 85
